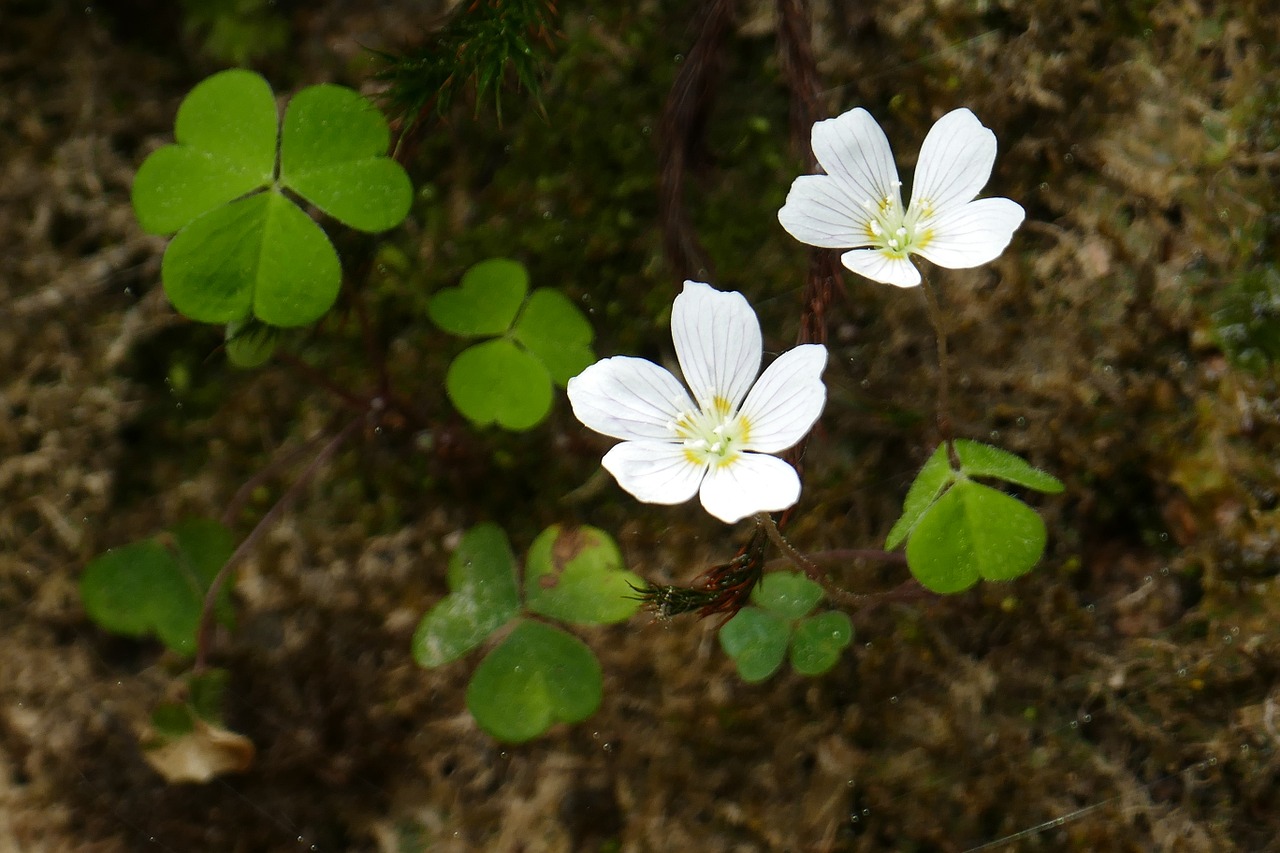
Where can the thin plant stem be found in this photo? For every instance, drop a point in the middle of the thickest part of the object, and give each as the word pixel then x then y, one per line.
pixel 797 559
pixel 242 495
pixel 841 556
pixel 944 367
pixel 204 636
pixel 803 563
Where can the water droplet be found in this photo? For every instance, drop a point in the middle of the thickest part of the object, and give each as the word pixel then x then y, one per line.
pixel 866 645
pixel 853 818
pixel 849 783
pixel 1165 571
pixel 1088 718
pixel 1148 579
pixel 1182 672
pixel 1244 747
pixel 1213 762
pixel 1089 608
pixel 1075 724
pixel 893 700
pixel 1235 630
pixel 1226 638
pixel 866 812
pixel 679 57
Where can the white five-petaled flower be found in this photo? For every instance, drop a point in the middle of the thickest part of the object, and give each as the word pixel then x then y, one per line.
pixel 717 443
pixel 857 204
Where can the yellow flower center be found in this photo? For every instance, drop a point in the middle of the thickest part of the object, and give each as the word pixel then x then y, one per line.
pixel 712 436
pixel 897 232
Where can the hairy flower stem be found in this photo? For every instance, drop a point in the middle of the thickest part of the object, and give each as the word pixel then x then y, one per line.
pixel 204 636
pixel 944 379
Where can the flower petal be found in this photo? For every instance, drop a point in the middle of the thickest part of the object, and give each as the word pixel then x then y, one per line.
pixel 786 400
pixel 852 148
pixel 628 398
pixel 749 484
pixel 973 234
pixel 656 472
pixel 821 211
pixel 955 161
pixel 717 338
pixel 880 266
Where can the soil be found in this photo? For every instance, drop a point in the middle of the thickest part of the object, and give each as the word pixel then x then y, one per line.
pixel 1121 696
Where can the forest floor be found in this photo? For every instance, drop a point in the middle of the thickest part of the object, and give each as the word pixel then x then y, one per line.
pixel 1124 695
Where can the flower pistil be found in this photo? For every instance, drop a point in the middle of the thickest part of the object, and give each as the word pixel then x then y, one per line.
pixel 713 436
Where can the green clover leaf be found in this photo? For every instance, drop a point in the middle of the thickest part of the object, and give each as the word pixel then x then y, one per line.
pixel 538 676
pixel 553 329
pixel 485 303
pixel 226 147
pixel 496 382
pixel 972 532
pixel 333 150
pixel 575 574
pixel 757 638
pixel 959 531
pixel 983 460
pixel 157 586
pixel 242 247
pixel 539 340
pixel 818 642
pixel 483 597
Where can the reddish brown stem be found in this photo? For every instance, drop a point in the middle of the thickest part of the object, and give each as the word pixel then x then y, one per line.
pixel 204 636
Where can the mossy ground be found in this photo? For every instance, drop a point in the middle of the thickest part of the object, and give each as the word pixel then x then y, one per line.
pixel 1121 697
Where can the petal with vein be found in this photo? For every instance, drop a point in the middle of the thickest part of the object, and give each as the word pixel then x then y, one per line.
pixel 751 483
pixel 853 148
pixel 718 345
pixel 787 399
pixel 880 266
pixel 655 472
pixel 973 234
pixel 628 398
pixel 955 161
pixel 821 211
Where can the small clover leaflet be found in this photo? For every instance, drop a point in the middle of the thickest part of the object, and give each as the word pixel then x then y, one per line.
pixel 958 530
pixel 538 674
pixel 536 340
pixel 537 677
pixel 157 586
pixel 243 248
pixel 758 637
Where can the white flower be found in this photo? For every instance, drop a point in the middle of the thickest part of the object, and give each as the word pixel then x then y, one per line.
pixel 857 204
pixel 673 447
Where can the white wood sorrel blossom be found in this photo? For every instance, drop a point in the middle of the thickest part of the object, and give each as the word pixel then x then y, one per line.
pixel 857 204
pixel 717 443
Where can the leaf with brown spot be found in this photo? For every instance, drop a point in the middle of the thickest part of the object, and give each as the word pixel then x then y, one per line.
pixel 575 574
